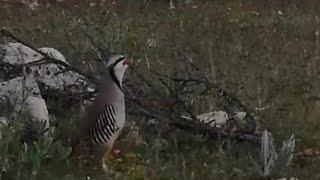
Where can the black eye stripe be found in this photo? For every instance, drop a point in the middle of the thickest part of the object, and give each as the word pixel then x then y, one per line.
pixel 115 63
pixel 111 66
pixel 120 59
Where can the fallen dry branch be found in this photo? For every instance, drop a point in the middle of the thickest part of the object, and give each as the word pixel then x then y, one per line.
pixel 229 131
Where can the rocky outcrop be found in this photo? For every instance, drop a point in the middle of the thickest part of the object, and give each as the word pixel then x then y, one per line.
pixel 27 78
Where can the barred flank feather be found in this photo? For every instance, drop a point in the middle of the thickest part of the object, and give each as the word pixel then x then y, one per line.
pixel 105 126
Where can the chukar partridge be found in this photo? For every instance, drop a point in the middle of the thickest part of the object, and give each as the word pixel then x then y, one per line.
pixel 105 117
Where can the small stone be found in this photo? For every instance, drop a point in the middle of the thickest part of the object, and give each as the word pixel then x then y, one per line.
pixel 308 152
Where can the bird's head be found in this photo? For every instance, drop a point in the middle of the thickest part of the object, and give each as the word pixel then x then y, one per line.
pixel 117 66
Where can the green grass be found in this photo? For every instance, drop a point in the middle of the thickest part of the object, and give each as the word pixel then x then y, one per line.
pixel 265 58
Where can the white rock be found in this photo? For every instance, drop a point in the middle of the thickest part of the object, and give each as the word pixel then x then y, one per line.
pixel 37 110
pixel 16 53
pixel 240 115
pixel 214 118
pixel 285 178
pixel 51 75
pixel 53 53
pixel 23 95
pixel 38 117
pixel 18 88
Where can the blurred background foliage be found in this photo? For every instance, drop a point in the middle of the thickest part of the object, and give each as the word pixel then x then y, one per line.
pixel 265 52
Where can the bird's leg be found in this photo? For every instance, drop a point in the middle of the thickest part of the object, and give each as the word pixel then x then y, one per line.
pixel 98 156
pixel 79 151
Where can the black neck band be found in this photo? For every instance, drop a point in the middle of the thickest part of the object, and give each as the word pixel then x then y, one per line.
pixel 115 79
pixel 113 75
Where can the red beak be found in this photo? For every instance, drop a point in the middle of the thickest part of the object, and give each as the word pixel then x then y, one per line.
pixel 128 61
